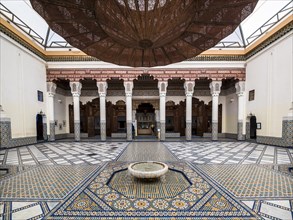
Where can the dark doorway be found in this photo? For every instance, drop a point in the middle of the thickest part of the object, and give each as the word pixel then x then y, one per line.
pixel 252 127
pixel 40 128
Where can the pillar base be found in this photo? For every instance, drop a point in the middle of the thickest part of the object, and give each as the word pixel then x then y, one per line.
pixel 188 131
pixel 158 127
pixel 214 131
pixel 129 131
pixel 240 136
pixel 52 132
pixel 45 136
pixel 247 136
pixel 163 131
pixel 77 131
pixel 103 131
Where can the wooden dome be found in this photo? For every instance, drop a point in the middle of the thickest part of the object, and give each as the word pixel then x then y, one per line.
pixel 143 33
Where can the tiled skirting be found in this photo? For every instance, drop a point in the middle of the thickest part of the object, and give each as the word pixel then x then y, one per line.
pixel 6 141
pixel 247 130
pixel 230 135
pixel 188 131
pixel 270 140
pixel 240 136
pixel 214 131
pixel 287 131
pixel 221 135
pixel 20 142
pixel 61 136
pixel 287 136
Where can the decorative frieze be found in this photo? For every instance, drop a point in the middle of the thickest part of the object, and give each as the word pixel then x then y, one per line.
pixel 159 74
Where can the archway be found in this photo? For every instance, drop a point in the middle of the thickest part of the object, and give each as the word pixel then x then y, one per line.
pixel 40 128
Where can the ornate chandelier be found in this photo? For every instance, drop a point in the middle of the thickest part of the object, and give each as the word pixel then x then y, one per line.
pixel 143 33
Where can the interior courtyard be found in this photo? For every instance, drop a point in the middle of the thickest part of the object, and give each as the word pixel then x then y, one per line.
pixel 209 97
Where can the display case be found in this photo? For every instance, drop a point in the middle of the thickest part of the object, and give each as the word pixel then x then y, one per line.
pixel 145 123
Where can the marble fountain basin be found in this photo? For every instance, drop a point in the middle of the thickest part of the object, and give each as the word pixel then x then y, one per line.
pixel 147 169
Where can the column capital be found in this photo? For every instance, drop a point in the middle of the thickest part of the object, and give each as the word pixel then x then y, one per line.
pixel 162 85
pixel 128 85
pixel 240 88
pixel 215 87
pixel 102 88
pixel 189 88
pixel 51 89
pixel 75 88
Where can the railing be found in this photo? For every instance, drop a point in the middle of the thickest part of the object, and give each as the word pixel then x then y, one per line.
pixel 271 22
pixel 12 18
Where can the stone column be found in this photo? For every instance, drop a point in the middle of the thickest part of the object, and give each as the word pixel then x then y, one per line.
pixel 128 95
pixel 215 87
pixel 102 87
pixel 76 91
pixel 162 85
pixel 189 89
pixel 240 91
pixel 51 90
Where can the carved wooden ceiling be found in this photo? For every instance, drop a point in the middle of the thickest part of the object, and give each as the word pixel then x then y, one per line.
pixel 143 33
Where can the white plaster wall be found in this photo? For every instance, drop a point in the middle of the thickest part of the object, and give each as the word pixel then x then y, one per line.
pixel 115 99
pixel 205 99
pixel 85 99
pixel 22 74
pixel 230 114
pixel 270 74
pixel 175 99
pixel 60 113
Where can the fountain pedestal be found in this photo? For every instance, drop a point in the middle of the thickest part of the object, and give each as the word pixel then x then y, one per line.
pixel 148 169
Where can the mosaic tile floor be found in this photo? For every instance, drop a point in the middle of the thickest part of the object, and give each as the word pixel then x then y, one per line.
pixel 230 153
pixel 69 180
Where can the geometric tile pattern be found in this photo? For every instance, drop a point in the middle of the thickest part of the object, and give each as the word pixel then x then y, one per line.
pixel 9 170
pixel 62 153
pixel 25 210
pixel 230 153
pixel 52 131
pixel 5 137
pixel 272 209
pixel 200 200
pixel 287 131
pixel 146 151
pixel 251 181
pixel 86 203
pixel 215 131
pixel 77 131
pixel 44 182
pixel 169 185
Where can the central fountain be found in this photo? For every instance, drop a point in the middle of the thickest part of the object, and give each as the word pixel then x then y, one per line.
pixel 148 169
